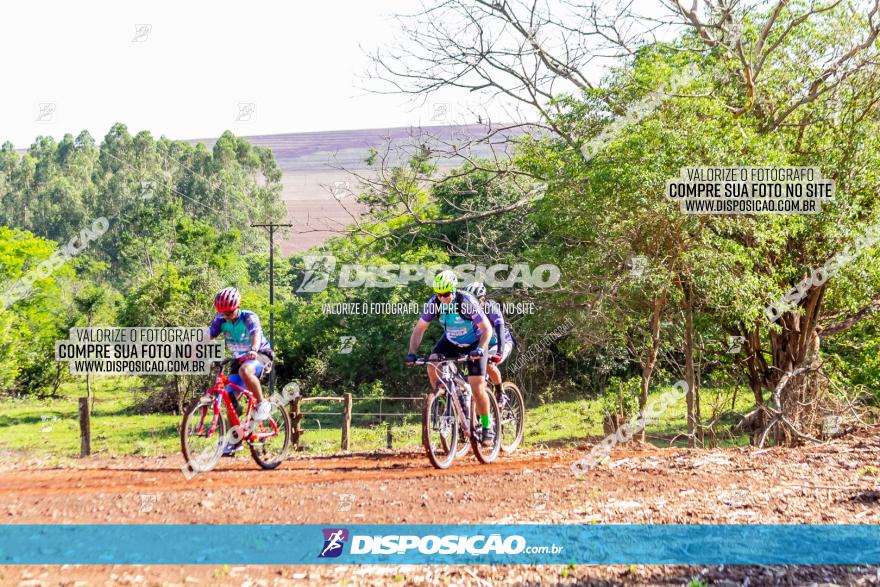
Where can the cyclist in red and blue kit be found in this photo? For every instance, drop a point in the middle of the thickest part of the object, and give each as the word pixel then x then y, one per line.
pixel 252 353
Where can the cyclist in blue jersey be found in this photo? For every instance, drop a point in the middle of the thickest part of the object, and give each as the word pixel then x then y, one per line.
pixel 466 330
pixel 501 332
pixel 250 349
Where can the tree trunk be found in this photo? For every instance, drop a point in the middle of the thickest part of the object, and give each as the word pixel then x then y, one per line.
pixel 149 261
pixel 698 416
pixel 177 394
pixel 689 363
pixel 56 381
pixel 651 358
pixel 85 428
pixel 756 368
pixel 796 346
pixel 89 397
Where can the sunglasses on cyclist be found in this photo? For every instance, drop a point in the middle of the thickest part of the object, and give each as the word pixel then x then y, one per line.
pixel 443 296
pixel 228 314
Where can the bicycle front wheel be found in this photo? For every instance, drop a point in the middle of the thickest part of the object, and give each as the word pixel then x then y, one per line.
pixel 272 441
pixel 439 429
pixel 202 435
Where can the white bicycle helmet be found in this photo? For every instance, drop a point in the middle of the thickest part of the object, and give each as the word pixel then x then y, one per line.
pixel 476 289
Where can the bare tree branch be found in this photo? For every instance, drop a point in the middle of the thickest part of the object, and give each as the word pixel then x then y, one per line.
pixel 852 319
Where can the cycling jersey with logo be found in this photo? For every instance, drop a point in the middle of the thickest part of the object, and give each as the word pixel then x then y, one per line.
pixel 459 318
pixel 240 333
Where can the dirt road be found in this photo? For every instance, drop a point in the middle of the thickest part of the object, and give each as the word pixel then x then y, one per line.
pixel 832 483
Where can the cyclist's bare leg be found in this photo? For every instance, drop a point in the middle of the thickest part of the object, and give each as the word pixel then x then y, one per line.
pixel 494 373
pixel 248 373
pixel 481 400
pixel 432 375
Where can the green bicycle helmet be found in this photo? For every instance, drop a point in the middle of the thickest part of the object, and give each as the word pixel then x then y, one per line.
pixel 445 282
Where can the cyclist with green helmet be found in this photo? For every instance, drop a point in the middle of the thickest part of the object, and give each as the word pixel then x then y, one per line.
pixel 466 330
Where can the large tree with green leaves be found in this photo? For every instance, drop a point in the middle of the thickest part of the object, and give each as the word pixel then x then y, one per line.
pixel 789 83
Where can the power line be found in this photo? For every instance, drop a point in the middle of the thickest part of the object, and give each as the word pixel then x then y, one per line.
pixel 272 226
pixel 202 177
pixel 181 194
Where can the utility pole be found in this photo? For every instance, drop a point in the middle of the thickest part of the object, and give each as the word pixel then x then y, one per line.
pixel 271 226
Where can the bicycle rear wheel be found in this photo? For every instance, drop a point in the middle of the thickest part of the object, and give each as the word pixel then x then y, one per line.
pixel 513 417
pixel 270 447
pixel 486 454
pixel 202 435
pixel 440 428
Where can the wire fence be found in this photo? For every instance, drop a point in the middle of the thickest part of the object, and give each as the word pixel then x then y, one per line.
pixel 347 414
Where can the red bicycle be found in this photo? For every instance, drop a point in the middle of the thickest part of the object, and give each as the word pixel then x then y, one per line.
pixel 204 435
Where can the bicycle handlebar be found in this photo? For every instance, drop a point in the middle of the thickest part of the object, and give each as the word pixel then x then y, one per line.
pixel 222 363
pixel 426 361
pixel 442 359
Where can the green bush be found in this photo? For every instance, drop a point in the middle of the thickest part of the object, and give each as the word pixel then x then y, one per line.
pixel 621 397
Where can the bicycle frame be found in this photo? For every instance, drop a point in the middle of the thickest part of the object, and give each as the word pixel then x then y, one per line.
pixel 448 374
pixel 219 390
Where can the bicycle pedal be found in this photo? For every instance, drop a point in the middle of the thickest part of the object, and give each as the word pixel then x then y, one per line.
pixel 230 451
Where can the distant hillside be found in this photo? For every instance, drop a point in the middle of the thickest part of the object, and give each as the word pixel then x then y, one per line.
pixel 320 151
pixel 315 163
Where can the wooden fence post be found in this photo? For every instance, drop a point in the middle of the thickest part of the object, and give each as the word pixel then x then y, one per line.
pixel 85 429
pixel 389 438
pixel 296 418
pixel 346 420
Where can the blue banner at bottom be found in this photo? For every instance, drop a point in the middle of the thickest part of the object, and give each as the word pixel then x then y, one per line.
pixel 440 544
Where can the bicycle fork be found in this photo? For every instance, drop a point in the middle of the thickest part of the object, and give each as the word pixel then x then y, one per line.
pixel 215 415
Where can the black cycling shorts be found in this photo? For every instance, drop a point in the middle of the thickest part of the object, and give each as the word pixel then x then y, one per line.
pixel 446 348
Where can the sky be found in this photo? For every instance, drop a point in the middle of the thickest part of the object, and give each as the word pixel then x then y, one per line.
pixel 192 69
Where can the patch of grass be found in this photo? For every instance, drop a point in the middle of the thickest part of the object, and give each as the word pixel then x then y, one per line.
pixel 327 440
pixel 674 421
pixel 51 427
pixel 562 423
pixel 569 422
